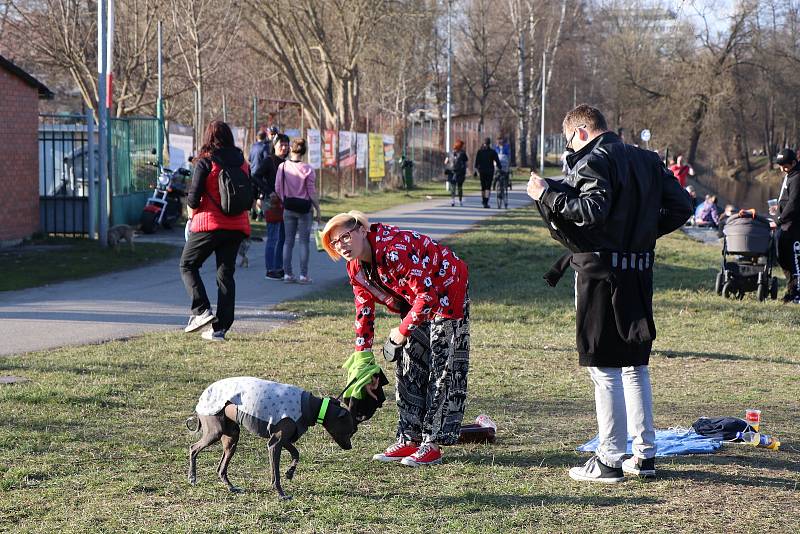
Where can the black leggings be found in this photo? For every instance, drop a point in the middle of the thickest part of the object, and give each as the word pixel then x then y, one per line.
pixel 457 184
pixel 224 244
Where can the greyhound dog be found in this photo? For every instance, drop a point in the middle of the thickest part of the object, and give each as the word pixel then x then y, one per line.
pixel 119 233
pixel 243 248
pixel 281 413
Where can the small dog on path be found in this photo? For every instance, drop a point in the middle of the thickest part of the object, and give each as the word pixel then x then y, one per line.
pixel 120 232
pixel 243 248
pixel 278 412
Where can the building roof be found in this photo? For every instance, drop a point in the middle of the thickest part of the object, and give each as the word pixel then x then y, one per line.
pixel 44 92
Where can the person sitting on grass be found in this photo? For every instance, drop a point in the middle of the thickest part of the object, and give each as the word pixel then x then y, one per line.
pixel 427 285
pixel 707 213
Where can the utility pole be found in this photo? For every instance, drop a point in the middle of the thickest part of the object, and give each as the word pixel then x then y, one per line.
pixel 449 75
pixel 160 102
pixel 541 135
pixel 102 123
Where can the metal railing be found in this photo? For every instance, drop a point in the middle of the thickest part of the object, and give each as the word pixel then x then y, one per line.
pixel 67 162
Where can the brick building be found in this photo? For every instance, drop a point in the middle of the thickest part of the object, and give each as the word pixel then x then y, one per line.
pixel 19 173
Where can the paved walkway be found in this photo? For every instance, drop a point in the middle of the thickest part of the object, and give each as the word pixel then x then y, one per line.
pixel 148 299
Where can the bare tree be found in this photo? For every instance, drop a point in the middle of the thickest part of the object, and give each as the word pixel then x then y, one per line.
pixel 482 50
pixel 69 46
pixel 320 54
pixel 204 30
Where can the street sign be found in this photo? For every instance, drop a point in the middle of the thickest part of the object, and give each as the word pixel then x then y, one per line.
pixel 645 135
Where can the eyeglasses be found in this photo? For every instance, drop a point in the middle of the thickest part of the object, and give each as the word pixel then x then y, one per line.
pixel 344 239
pixel 571 137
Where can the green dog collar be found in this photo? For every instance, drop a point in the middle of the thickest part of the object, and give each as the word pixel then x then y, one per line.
pixel 323 410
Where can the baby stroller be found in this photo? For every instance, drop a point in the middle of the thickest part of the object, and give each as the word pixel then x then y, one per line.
pixel 750 237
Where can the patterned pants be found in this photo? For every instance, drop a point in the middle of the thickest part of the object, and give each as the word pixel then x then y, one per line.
pixel 432 381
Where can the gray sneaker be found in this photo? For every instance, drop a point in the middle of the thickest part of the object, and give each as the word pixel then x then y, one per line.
pixel 644 467
pixel 596 471
pixel 196 322
pixel 213 335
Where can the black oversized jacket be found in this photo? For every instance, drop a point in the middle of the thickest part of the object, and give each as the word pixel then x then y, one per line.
pixel 609 211
pixel 619 198
pixel 789 201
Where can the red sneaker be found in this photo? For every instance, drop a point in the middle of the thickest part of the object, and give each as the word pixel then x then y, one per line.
pixel 427 454
pixel 397 451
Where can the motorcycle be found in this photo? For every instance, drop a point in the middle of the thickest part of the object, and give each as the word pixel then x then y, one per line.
pixel 165 206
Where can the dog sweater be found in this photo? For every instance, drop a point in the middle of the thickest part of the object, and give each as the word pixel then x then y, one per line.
pixel 265 400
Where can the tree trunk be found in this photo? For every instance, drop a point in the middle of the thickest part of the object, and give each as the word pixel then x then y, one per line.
pixel 696 127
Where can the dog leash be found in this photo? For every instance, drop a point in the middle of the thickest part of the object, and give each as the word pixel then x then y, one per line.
pixel 339 397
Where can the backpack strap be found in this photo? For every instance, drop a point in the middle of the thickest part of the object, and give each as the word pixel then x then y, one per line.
pixel 208 193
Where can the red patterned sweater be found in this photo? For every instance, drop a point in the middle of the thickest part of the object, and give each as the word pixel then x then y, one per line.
pixel 410 273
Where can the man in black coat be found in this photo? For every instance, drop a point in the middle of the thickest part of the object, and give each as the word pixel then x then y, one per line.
pixel 259 156
pixel 485 162
pixel 785 213
pixel 610 209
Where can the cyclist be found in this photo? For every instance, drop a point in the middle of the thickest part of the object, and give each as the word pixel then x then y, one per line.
pixel 503 150
pixel 486 161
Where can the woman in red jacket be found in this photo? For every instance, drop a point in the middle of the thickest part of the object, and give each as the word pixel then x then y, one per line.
pixel 212 232
pixel 427 285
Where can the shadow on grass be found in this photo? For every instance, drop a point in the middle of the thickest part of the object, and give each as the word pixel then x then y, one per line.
pixel 721 356
pixel 505 500
pixel 514 501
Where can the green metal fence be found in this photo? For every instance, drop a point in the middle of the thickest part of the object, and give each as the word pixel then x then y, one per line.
pixel 133 140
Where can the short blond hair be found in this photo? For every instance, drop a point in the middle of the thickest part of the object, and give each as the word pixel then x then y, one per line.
pixel 353 218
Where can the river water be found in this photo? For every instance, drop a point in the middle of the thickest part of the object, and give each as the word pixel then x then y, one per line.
pixel 743 194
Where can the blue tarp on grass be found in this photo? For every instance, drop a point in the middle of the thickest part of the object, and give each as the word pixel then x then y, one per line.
pixel 670 442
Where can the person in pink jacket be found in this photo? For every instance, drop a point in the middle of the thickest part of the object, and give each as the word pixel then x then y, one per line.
pixel 295 185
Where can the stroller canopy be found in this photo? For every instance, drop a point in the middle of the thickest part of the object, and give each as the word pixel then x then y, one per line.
pixel 748 234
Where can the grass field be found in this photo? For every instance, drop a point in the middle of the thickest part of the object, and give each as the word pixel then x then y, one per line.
pixel 96 441
pixel 369 202
pixel 55 259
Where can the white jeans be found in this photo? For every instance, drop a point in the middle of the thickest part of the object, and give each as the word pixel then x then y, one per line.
pixel 624 403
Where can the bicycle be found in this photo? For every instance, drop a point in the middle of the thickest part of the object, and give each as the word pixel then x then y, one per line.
pixel 501 188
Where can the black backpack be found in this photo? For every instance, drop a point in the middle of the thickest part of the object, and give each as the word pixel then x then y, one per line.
pixel 235 189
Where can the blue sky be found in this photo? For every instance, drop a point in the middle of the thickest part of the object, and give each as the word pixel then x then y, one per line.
pixel 717 12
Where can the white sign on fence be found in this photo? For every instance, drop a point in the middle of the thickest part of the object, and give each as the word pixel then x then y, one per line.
pixel 239 136
pixel 361 150
pixel 314 148
pixel 645 135
pixel 180 141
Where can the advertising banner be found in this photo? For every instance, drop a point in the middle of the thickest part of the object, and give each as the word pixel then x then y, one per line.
pixel 314 148
pixel 239 136
pixel 347 149
pixel 361 151
pixel 388 148
pixel 180 139
pixel 329 149
pixel 376 162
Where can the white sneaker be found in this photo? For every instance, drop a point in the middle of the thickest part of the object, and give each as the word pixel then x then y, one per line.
pixel 213 335
pixel 289 279
pixel 596 471
pixel 196 322
pixel 304 280
pixel 644 467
